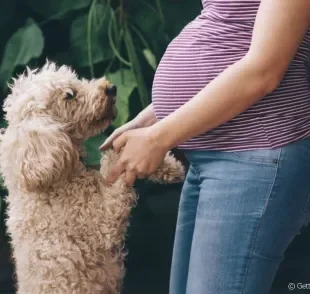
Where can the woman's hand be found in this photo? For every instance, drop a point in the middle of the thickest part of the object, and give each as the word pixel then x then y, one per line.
pixel 142 154
pixel 143 119
pixel 131 125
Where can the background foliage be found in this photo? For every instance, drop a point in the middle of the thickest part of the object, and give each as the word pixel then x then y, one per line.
pixel 121 39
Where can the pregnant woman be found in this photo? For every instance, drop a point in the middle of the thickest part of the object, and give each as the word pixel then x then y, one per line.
pixel 232 92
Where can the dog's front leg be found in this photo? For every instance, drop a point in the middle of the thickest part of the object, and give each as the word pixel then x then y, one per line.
pixel 119 199
pixel 169 171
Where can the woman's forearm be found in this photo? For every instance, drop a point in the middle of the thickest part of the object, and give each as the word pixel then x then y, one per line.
pixel 146 117
pixel 231 93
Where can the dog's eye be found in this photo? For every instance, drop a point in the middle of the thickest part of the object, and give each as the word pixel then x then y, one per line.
pixel 70 94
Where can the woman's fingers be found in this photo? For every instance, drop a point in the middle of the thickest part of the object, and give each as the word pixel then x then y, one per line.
pixel 119 131
pixel 120 142
pixel 108 142
pixel 130 178
pixel 116 171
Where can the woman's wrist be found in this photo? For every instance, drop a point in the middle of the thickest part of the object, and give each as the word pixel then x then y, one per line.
pixel 164 135
pixel 145 118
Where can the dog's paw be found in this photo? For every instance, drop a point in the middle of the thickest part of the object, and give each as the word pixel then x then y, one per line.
pixel 170 171
pixel 108 160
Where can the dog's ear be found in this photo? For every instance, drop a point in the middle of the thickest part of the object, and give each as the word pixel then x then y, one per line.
pixel 34 156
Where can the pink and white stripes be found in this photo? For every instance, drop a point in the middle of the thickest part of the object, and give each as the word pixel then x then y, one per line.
pixel 217 38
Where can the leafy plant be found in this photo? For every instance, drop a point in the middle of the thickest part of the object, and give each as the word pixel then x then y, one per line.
pixel 121 39
pixel 20 49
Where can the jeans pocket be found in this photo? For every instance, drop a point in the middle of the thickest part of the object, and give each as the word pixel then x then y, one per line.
pixel 264 156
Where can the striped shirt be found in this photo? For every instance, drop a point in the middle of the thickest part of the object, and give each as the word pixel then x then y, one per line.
pixel 217 38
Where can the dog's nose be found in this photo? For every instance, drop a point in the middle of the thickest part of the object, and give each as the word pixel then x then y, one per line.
pixel 111 90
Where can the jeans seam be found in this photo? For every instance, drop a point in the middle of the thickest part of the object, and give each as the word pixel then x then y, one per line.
pixel 305 210
pixel 256 233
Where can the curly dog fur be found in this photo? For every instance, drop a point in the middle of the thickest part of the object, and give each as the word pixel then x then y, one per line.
pixel 67 226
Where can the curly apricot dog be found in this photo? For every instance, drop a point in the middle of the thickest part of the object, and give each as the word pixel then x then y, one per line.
pixel 67 226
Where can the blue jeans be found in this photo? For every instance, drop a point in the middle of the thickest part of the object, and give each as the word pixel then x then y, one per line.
pixel 238 213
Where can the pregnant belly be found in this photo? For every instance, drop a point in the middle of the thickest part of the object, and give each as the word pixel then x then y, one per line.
pixel 182 73
pixel 192 60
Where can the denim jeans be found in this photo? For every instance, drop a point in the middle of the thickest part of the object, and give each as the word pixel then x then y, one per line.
pixel 238 213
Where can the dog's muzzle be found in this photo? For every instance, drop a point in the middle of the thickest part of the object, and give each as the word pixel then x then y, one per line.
pixel 111 91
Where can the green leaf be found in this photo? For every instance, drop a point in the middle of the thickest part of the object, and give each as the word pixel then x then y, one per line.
pixel 147 17
pixel 179 15
pixel 150 58
pixel 92 149
pixel 27 43
pixel 56 9
pixel 99 43
pixel 136 68
pixel 126 83
pixel 62 58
